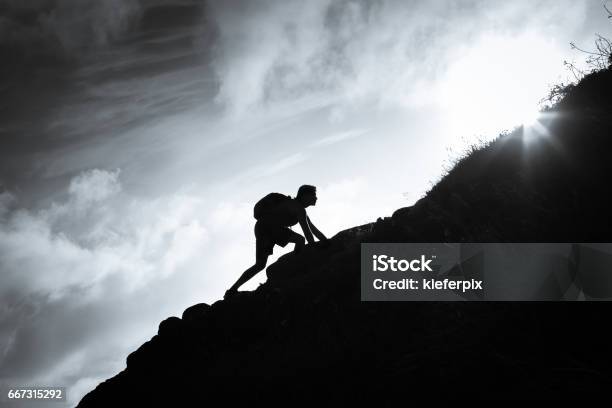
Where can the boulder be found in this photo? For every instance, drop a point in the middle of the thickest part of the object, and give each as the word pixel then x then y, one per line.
pixel 196 313
pixel 172 326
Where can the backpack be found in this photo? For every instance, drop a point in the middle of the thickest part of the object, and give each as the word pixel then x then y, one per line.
pixel 267 205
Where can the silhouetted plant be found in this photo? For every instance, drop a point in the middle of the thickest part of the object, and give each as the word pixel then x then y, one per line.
pixel 556 93
pixel 598 59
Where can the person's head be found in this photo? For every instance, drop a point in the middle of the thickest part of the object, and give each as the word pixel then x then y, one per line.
pixel 307 195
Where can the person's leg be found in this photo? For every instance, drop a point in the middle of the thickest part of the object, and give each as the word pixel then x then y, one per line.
pixel 260 264
pixel 297 239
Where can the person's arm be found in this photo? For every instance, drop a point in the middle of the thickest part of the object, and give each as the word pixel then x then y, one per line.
pixel 303 220
pixel 315 231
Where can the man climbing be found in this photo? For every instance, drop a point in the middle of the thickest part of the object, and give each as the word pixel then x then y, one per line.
pixel 275 213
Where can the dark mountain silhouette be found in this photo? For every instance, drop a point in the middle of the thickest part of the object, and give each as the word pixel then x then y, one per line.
pixel 305 337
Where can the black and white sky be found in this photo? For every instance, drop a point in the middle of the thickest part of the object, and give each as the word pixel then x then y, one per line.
pixel 135 136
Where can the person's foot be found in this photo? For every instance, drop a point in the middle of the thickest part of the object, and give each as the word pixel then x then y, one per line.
pixel 230 293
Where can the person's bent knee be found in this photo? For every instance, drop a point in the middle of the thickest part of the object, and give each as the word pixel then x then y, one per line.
pixel 299 244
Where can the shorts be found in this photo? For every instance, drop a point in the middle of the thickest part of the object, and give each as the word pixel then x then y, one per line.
pixel 267 235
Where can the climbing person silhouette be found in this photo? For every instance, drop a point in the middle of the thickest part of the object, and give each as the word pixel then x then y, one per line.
pixel 275 213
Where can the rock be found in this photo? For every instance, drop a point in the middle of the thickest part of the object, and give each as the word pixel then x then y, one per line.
pixel 400 214
pixel 141 359
pixel 170 327
pixel 195 313
pixel 458 205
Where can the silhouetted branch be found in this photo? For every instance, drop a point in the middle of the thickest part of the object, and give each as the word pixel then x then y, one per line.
pixel 576 72
pixel 597 59
pixel 600 57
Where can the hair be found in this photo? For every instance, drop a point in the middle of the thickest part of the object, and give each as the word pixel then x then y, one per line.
pixel 305 189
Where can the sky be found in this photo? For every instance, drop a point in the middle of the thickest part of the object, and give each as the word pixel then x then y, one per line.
pixel 136 135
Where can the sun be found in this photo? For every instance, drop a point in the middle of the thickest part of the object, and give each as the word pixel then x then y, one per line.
pixel 530 118
pixel 497 84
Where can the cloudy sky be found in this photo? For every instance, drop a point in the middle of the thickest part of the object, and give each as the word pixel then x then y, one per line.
pixel 135 136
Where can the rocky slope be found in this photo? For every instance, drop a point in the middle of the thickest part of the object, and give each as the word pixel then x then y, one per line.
pixel 305 336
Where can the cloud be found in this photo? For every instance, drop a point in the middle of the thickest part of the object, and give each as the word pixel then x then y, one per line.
pixel 93 235
pixel 276 46
pixel 93 186
pixel 339 137
pixel 271 167
pixel 6 201
pixel 97 76
pixel 45 30
pixel 53 33
pixel 385 52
